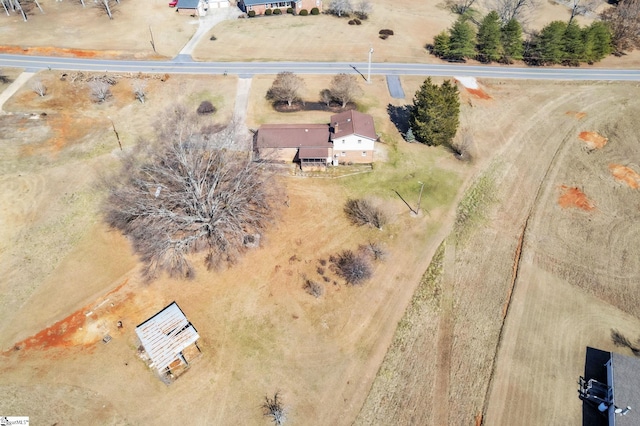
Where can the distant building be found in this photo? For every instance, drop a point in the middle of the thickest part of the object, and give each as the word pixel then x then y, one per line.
pixel 610 389
pixel 169 341
pixel 259 6
pixel 192 7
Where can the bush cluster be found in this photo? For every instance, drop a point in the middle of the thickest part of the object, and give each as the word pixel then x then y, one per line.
pixel 355 22
pixel 205 108
pixel 304 12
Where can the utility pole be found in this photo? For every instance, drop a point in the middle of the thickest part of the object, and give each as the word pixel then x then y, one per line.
pixel 369 68
pixel 420 197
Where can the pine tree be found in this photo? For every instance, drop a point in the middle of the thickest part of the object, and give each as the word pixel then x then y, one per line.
pixel 489 43
pixel 462 40
pixel 551 42
pixel 572 45
pixel 441 45
pixel 597 41
pixel 435 114
pixel 512 41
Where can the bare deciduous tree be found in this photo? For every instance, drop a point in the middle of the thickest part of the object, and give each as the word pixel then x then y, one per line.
pixel 362 211
pixel 460 7
pixel 106 6
pixel 374 249
pixel 140 90
pixel 624 20
pixel 462 146
pixel 353 267
pixel 345 88
pixel 363 9
pixel 100 90
pixel 340 7
pixel 39 88
pixel 274 408
pixel 286 88
pixel 187 192
pixel 519 10
pixel 582 7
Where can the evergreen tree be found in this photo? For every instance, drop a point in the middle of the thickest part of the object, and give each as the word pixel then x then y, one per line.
pixel 441 45
pixel 551 42
pixel 462 40
pixel 597 41
pixel 435 114
pixel 489 43
pixel 572 45
pixel 512 41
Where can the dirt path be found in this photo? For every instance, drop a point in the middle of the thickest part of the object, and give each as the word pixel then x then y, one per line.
pixel 14 87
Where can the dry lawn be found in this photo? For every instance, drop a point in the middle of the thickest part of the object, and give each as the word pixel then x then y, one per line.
pixel 67 28
pixel 71 280
pixel 576 273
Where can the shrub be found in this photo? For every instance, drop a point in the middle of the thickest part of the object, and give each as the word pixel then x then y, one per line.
pixel 212 38
pixel 364 212
pixel 277 12
pixel 304 12
pixel 313 288
pixel 353 267
pixel 386 31
pixel 383 36
pixel 315 11
pixel 290 10
pixel 268 12
pixel 252 13
pixel 206 107
pixel 352 22
pixel 357 21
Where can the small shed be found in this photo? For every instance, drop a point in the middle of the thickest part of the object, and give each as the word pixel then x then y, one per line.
pixel 191 7
pixel 169 340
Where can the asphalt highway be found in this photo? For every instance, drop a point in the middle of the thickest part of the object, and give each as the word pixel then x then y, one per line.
pixel 185 65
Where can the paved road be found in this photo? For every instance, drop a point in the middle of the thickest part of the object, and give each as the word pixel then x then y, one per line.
pixel 34 63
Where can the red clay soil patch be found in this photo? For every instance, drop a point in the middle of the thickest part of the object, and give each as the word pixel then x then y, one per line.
pixel 626 175
pixel 62 334
pixel 593 139
pixel 576 114
pixel 478 93
pixel 573 197
pixel 58 51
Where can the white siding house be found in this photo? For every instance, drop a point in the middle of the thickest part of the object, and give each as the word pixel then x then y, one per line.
pixel 353 135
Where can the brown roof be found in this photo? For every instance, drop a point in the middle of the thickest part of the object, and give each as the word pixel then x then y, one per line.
pixel 353 122
pixel 293 136
pixel 313 153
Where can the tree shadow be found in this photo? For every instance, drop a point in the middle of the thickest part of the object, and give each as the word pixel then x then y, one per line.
pixel 399 116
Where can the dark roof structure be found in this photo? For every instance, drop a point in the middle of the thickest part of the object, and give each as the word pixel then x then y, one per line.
pixel 165 335
pixel 353 122
pixel 610 389
pixel 293 136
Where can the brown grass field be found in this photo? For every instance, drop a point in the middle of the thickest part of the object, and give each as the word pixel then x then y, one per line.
pixel 493 333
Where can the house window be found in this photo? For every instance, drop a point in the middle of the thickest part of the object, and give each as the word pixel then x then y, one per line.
pixel 359 140
pixel 344 154
pixel 342 141
pixel 364 153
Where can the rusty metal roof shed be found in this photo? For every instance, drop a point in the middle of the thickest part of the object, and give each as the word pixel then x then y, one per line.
pixel 165 335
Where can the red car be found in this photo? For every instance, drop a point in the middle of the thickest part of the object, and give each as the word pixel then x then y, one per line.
pixel 173 3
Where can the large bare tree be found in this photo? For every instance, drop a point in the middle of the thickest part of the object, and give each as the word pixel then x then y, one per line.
pixel 519 10
pixel 624 20
pixel 187 192
pixel 286 88
pixel 460 7
pixel 345 88
pixel 340 7
pixel 582 7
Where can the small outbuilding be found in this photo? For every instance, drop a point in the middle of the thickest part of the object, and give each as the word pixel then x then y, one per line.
pixel 169 340
pixel 610 389
pixel 192 7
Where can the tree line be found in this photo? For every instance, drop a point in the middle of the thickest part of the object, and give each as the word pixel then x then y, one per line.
pixel 557 43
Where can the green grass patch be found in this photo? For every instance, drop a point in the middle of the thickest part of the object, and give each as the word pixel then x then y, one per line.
pixel 472 209
pixel 403 173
